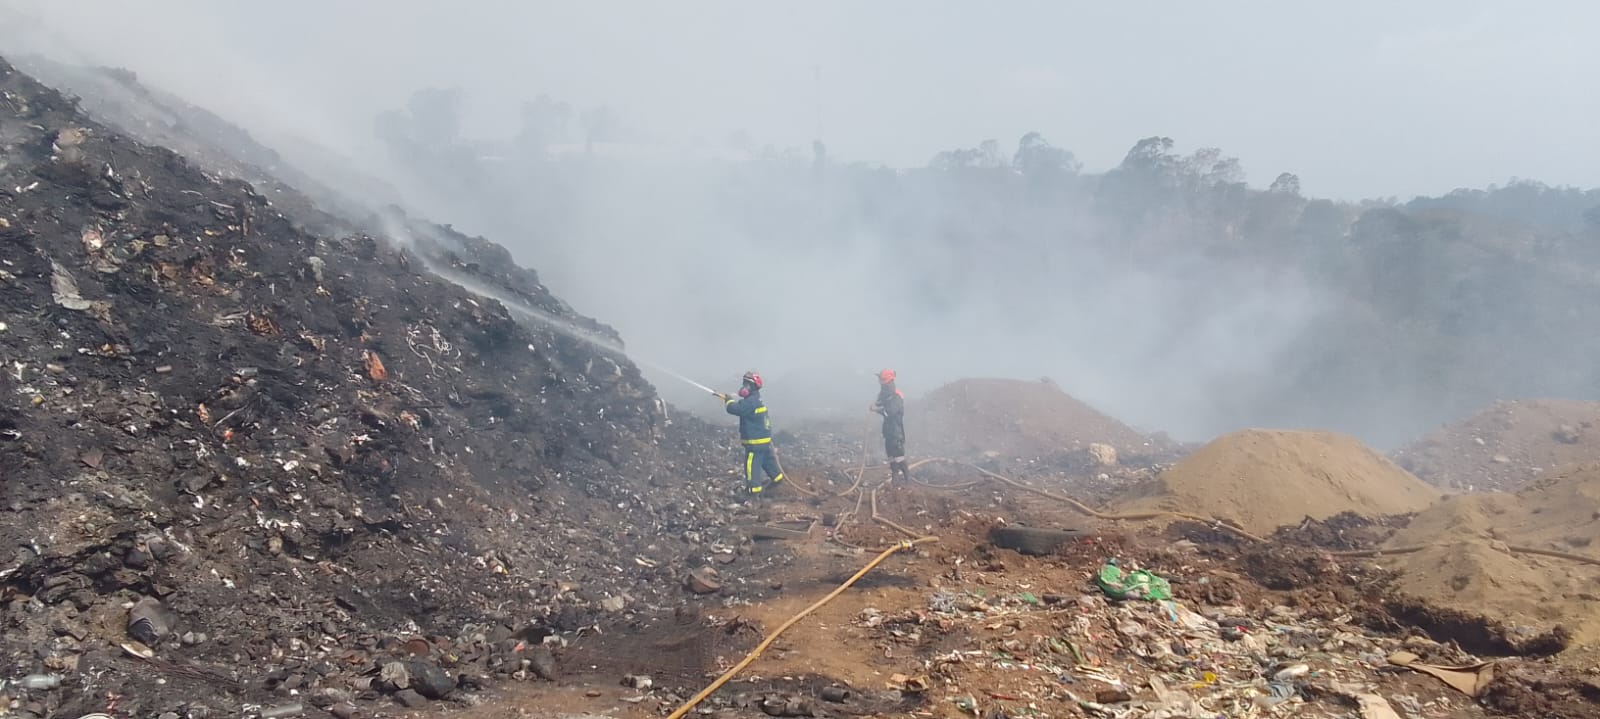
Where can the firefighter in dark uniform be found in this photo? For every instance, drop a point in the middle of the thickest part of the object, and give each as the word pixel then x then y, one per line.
pixel 755 433
pixel 892 405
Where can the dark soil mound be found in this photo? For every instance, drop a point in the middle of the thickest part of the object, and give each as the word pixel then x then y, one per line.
pixel 1011 419
pixel 308 448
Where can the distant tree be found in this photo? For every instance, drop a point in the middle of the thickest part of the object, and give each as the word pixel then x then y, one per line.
pixel 1321 222
pixel 436 115
pixel 427 130
pixel 544 122
pixel 986 155
pixel 1592 217
pixel 1207 167
pixel 600 124
pixel 1151 155
pixel 1286 184
pixel 989 152
pixel 1036 157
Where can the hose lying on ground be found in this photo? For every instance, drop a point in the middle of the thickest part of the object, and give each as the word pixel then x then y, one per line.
pixel 1369 553
pixel 1086 509
pixel 762 647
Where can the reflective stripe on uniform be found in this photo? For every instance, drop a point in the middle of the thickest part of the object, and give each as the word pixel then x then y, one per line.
pixel 777 479
pixel 761 410
pixel 764 440
pixel 755 490
pixel 749 466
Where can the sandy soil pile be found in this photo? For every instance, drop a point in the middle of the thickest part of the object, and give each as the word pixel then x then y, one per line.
pixel 1264 479
pixel 1012 418
pixel 1469 563
pixel 1504 446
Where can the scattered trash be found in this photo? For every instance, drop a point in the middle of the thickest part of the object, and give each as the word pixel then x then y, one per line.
pixel 781 706
pixel 410 699
pixel 374 365
pixel 429 680
pixel 1373 706
pixel 140 651
pixel 149 621
pixel 908 684
pixel 1103 455
pixel 703 581
pixel 1137 584
pixel 284 710
pixel 395 676
pixel 35 682
pixel 65 289
pixel 1471 679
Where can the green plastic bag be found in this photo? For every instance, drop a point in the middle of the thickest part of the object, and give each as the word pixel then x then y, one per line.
pixel 1137 584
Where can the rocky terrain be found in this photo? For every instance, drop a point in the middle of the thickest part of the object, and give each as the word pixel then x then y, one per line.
pixel 1506 445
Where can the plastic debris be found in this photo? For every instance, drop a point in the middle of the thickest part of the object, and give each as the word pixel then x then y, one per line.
pixel 1137 584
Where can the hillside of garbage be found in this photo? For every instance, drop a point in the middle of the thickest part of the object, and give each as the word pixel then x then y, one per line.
pixel 241 456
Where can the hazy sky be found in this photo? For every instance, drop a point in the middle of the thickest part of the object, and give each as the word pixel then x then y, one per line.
pixel 1360 99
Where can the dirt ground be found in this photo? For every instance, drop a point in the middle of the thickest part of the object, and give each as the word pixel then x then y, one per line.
pixel 1473 559
pixel 1506 445
pixel 993 632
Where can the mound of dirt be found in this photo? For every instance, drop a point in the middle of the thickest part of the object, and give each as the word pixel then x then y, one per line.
pixel 1471 563
pixel 1013 419
pixel 1506 445
pixel 1264 479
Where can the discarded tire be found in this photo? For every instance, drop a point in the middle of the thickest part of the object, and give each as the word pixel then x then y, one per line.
pixel 1033 540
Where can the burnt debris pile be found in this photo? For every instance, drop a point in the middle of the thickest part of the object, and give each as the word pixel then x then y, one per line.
pixel 259 464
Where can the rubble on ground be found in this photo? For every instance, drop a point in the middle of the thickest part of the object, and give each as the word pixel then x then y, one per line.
pixel 1506 445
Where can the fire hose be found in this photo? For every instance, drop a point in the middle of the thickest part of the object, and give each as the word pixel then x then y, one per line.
pixel 767 642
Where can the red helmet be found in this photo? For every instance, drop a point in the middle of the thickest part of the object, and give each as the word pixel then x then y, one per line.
pixel 752 379
pixel 886 376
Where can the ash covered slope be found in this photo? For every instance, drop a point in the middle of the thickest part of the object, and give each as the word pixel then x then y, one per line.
pixel 117 98
pixel 302 446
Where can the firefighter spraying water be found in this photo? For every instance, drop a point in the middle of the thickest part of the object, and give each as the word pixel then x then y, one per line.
pixel 755 434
